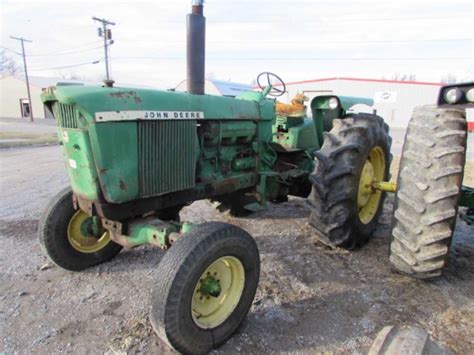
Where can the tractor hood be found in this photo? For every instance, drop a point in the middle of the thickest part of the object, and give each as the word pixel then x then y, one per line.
pixel 102 104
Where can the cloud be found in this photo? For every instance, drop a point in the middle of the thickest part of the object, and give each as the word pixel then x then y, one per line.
pixel 300 39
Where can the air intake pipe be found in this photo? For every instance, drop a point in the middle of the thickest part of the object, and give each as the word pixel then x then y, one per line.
pixel 196 48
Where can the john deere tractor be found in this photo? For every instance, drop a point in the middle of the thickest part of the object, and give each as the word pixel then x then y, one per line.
pixel 135 157
pixel 430 184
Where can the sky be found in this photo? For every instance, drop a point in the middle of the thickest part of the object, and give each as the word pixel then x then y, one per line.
pixel 296 39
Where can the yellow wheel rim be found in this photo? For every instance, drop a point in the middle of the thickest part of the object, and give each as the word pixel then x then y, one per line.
pixel 81 242
pixel 208 311
pixel 368 198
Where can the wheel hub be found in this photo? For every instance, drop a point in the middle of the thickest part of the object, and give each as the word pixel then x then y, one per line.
pixel 369 194
pixel 217 292
pixel 91 227
pixel 365 184
pixel 83 236
pixel 210 286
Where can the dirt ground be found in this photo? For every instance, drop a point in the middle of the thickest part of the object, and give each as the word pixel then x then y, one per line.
pixel 310 298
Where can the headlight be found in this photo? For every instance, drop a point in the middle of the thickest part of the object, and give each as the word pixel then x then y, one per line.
pixel 453 95
pixel 470 95
pixel 333 103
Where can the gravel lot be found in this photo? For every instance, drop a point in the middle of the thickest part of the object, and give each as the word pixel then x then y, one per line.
pixel 310 298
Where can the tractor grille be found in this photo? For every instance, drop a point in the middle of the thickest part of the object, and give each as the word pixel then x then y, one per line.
pixel 65 115
pixel 167 156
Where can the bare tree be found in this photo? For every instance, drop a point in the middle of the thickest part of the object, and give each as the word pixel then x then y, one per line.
pixel 403 77
pixel 449 79
pixel 70 75
pixel 8 65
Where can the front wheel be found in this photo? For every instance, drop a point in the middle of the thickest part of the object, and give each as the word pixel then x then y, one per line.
pixel 68 238
pixel 205 286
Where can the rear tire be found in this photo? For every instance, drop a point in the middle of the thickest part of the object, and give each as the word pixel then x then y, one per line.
pixel 183 268
pixel 334 198
pixel 54 240
pixel 429 187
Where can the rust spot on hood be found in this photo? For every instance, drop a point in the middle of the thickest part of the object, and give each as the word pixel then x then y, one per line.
pixel 122 185
pixel 126 95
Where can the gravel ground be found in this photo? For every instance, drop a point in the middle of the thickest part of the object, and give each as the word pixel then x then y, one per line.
pixel 310 298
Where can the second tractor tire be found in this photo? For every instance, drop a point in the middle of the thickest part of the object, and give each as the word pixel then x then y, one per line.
pixel 429 187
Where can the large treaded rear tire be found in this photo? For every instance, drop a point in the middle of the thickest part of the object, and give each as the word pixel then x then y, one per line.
pixel 335 180
pixel 429 187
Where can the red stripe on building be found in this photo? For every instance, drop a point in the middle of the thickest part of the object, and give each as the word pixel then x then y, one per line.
pixel 470 126
pixel 366 80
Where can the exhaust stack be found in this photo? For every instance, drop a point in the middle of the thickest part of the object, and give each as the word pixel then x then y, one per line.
pixel 196 48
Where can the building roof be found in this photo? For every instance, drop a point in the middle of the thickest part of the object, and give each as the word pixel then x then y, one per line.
pixel 366 80
pixel 45 82
pixel 227 88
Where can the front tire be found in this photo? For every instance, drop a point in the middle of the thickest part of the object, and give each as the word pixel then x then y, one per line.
pixel 345 207
pixel 429 187
pixel 205 286
pixel 61 239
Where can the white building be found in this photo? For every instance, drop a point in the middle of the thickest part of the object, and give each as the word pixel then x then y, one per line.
pixel 14 96
pixel 393 100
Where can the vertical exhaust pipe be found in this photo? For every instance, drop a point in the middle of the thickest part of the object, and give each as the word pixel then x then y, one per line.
pixel 196 48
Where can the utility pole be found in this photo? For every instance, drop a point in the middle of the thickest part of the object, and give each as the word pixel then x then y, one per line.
pixel 107 35
pixel 23 40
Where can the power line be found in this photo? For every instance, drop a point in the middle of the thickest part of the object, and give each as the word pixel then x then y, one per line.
pixel 76 47
pixel 65 53
pixel 55 53
pixel 300 58
pixel 30 105
pixel 346 41
pixel 330 19
pixel 67 66
pixel 10 50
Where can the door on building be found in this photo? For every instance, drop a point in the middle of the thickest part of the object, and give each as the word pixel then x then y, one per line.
pixel 25 108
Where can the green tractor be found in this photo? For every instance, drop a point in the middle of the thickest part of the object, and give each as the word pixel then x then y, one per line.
pixel 135 157
pixel 429 184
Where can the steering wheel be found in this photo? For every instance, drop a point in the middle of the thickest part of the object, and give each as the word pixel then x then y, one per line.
pixel 274 80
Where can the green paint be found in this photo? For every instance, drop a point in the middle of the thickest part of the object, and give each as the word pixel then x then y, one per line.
pixel 154 231
pixel 99 99
pixel 295 133
pixel 92 227
pixel 210 286
pixel 348 101
pixel 236 144
pixel 79 161
pixel 151 231
pixel 115 150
